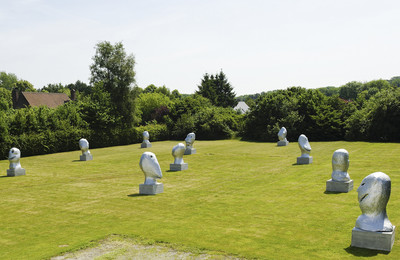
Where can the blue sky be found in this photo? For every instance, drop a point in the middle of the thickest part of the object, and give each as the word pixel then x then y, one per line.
pixel 260 45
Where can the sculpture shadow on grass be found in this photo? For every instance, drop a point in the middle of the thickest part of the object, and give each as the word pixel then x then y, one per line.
pixel 139 195
pixel 364 252
pixel 77 161
pixel 333 192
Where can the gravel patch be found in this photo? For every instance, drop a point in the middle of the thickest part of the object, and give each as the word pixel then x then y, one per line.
pixel 121 248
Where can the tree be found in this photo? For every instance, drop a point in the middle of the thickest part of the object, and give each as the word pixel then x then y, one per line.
pixel 350 90
pixel 24 85
pixel 218 90
pixel 7 81
pixel 115 69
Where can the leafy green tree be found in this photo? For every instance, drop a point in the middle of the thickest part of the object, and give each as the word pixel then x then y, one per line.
pixel 80 87
pixel 350 90
pixel 153 106
pixel 115 69
pixel 150 89
pixel 395 81
pixel 56 88
pixel 7 80
pixel 218 90
pixel 5 99
pixel 24 85
pixel 329 91
pixel 378 119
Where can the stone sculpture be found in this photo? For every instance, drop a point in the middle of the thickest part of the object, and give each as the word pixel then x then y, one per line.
pixel 282 137
pixel 146 143
pixel 340 181
pixel 178 151
pixel 189 144
pixel 14 157
pixel 305 149
pixel 373 229
pixel 84 146
pixel 152 171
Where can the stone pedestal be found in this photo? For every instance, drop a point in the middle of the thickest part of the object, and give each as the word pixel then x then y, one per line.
pixel 283 143
pixel 178 167
pixel 304 160
pixel 151 189
pixel 190 151
pixel 15 172
pixel 86 157
pixel 145 145
pixel 372 240
pixel 339 186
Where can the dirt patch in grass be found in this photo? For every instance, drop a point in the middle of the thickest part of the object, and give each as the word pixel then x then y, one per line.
pixel 116 247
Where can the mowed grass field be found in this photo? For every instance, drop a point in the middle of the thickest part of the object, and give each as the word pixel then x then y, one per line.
pixel 240 198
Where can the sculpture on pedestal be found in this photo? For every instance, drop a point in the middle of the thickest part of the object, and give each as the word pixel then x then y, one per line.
pixel 177 152
pixel 146 143
pixel 14 156
pixel 152 171
pixel 282 137
pixel 373 229
pixel 373 196
pixel 305 149
pixel 340 181
pixel 84 146
pixel 189 144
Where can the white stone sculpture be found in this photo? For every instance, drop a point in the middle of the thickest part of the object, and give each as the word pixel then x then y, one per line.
pixel 282 137
pixel 178 151
pixel 152 171
pixel 14 157
pixel 146 143
pixel 189 144
pixel 84 146
pixel 340 181
pixel 305 149
pixel 373 229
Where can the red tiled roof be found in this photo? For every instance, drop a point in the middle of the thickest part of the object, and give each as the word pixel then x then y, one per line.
pixel 51 100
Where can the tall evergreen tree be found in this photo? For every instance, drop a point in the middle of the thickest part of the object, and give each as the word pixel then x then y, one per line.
pixel 218 90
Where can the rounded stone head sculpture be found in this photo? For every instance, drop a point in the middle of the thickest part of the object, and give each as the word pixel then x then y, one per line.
pixel 340 165
pixel 304 145
pixel 178 151
pixel 84 146
pixel 282 134
pixel 373 196
pixel 146 136
pixel 13 157
pixel 150 167
pixel 190 140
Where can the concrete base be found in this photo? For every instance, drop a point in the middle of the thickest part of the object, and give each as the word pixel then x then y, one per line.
pixel 145 145
pixel 304 160
pixel 190 151
pixel 151 189
pixel 283 143
pixel 178 167
pixel 339 186
pixel 86 157
pixel 15 172
pixel 373 240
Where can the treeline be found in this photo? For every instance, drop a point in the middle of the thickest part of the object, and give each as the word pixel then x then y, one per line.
pixel 355 112
pixel 112 110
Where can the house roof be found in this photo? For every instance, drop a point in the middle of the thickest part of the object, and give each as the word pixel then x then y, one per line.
pixel 242 106
pixel 51 100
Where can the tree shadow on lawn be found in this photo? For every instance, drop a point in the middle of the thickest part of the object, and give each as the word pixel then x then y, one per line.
pixel 357 251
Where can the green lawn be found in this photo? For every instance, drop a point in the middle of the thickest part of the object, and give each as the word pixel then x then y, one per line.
pixel 241 198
